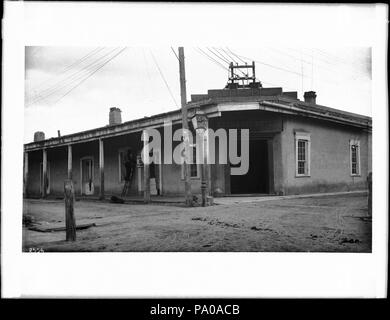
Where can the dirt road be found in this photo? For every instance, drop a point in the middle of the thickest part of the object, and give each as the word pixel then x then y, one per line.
pixel 335 223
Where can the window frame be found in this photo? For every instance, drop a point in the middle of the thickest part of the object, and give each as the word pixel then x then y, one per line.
pixel 355 143
pixel 303 136
pixel 92 158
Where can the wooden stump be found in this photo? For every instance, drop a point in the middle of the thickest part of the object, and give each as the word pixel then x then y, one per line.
pixel 70 222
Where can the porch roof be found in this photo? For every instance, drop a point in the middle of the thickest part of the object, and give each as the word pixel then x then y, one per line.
pixel 212 106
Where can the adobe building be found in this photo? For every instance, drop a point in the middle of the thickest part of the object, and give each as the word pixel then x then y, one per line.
pixel 295 147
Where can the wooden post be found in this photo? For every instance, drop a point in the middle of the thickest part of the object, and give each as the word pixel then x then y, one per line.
pixel 369 182
pixel 209 168
pixel 206 177
pixel 203 185
pixel 201 126
pixel 69 211
pixel 139 174
pixel 101 168
pixel 44 173
pixel 25 176
pixel 146 183
pixel 146 169
pixel 69 162
pixel 183 94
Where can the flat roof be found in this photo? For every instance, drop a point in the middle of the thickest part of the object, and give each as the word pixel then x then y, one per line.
pixel 281 102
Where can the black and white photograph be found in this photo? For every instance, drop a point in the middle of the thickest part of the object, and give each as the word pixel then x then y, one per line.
pixel 193 135
pixel 272 169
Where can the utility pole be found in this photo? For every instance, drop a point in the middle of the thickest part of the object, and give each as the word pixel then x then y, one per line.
pixel 184 117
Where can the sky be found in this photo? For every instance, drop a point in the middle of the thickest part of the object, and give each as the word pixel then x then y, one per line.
pixel 72 88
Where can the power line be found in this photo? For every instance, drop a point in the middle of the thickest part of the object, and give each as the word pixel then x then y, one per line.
pixel 298 60
pixel 235 55
pixel 63 82
pixel 91 53
pixel 82 77
pixel 327 60
pixel 227 61
pixel 230 57
pixel 340 61
pixel 223 58
pixel 90 75
pixel 218 64
pixel 162 76
pixel 301 60
pixel 232 60
pixel 173 50
pixel 218 56
pixel 311 64
pixel 334 60
pixel 272 66
pixel 72 78
pixel 330 57
pixel 245 62
pixel 212 59
pixel 81 70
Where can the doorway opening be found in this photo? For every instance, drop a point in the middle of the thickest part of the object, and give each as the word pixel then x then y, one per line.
pixel 87 185
pixel 47 178
pixel 256 180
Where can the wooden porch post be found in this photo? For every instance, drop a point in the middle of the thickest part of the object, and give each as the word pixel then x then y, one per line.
pixel 44 173
pixel 101 167
pixel 25 176
pixel 70 222
pixel 146 168
pixel 70 162
pixel 208 168
pixel 204 175
pixel 201 125
pixel 139 174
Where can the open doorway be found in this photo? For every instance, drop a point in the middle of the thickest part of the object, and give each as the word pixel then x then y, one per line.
pixel 256 180
pixel 87 183
pixel 47 178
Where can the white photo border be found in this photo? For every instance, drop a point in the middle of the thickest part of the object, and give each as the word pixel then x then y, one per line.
pixel 187 274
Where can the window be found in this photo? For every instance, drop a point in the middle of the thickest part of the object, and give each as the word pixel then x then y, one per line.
pixel 354 148
pixel 302 161
pixel 302 154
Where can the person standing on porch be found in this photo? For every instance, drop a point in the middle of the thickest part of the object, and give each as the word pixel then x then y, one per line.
pixel 130 164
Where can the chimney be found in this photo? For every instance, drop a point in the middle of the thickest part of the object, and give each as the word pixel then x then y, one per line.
pixel 115 116
pixel 39 136
pixel 310 97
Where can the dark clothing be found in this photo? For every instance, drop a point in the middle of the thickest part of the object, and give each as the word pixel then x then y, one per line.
pixel 130 165
pixel 152 171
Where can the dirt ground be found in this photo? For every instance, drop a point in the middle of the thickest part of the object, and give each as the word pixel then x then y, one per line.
pixel 336 223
